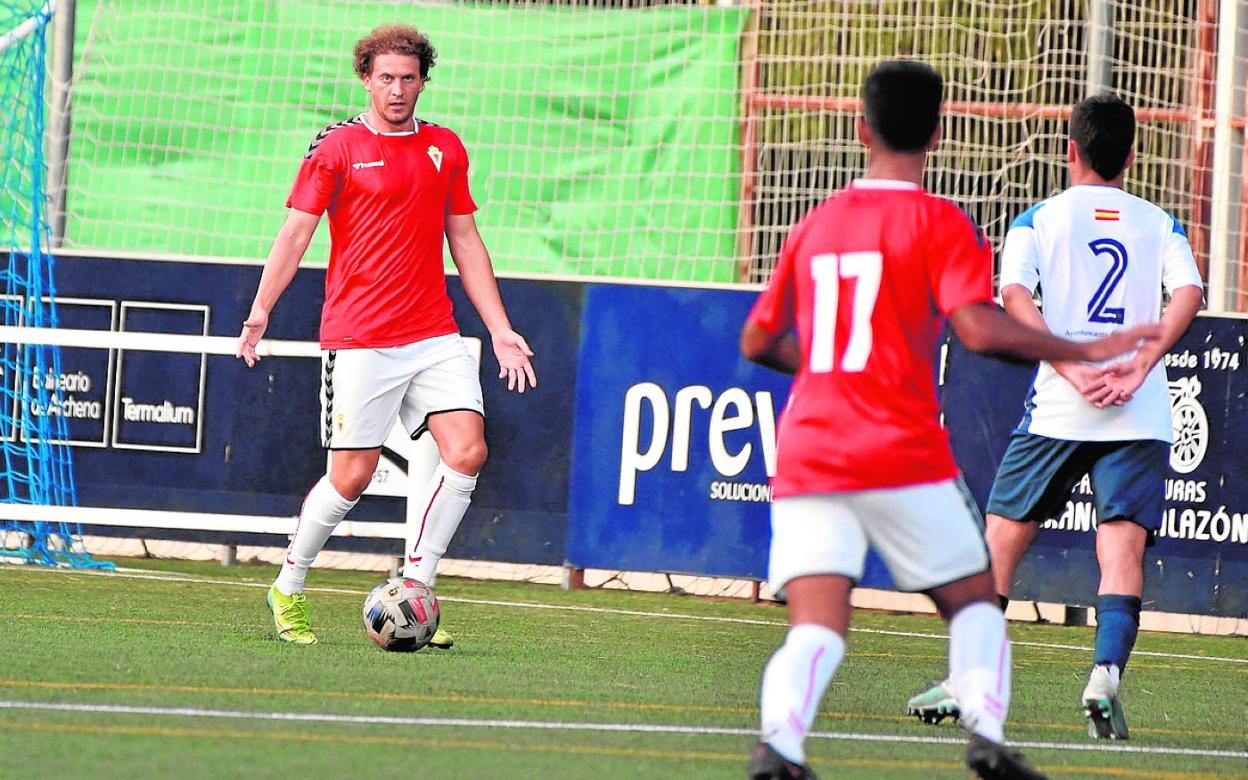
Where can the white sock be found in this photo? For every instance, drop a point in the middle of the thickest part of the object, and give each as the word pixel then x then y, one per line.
pixel 1115 674
pixel 322 510
pixel 979 668
pixel 793 685
pixel 449 493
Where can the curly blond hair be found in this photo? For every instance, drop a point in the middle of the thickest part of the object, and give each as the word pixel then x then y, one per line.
pixel 394 39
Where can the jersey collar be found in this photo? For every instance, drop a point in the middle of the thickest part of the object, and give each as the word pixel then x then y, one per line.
pixel 415 127
pixel 883 184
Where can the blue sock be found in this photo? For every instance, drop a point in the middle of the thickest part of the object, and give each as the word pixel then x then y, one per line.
pixel 1117 623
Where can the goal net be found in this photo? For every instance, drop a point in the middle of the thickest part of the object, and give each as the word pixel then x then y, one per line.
pixel 36 468
pixel 661 139
pixel 1012 71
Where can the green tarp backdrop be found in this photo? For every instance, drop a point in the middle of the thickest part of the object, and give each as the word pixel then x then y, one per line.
pixel 602 141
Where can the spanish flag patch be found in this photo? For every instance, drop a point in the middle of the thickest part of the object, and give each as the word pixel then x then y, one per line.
pixel 1106 215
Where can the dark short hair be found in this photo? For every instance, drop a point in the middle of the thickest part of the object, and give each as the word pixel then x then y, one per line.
pixel 394 39
pixel 1103 128
pixel 901 101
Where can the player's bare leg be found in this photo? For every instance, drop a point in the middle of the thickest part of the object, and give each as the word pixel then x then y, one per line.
pixel 1120 552
pixel 799 672
pixel 460 437
pixel 1007 541
pixel 979 672
pixel 351 471
pixel 326 504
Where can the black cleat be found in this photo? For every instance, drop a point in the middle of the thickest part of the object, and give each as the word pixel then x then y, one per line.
pixel 767 764
pixel 993 761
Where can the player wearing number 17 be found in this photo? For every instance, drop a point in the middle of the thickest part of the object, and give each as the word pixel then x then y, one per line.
pixel 867 279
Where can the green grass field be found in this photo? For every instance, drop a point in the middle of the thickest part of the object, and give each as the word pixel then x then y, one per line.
pixel 174 672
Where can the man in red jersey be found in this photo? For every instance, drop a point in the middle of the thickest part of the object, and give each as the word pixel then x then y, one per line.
pixel 866 279
pixel 393 186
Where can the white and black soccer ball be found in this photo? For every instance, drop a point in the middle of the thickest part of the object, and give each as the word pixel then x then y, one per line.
pixel 401 615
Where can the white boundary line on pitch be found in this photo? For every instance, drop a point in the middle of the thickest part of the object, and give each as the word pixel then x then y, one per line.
pixel 546 725
pixel 145 574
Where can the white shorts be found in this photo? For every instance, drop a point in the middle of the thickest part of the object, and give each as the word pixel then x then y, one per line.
pixel 362 390
pixel 928 535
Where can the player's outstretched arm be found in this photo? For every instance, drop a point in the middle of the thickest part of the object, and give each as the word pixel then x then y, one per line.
pixel 477 274
pixel 778 352
pixel 279 268
pixel 983 327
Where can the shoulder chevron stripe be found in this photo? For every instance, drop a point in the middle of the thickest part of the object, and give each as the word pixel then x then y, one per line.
pixel 321 136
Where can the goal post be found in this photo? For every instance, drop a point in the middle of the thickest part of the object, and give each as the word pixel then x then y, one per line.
pixel 36 466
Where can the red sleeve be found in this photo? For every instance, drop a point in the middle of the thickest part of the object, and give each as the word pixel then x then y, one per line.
pixel 773 311
pixel 316 183
pixel 960 263
pixel 459 199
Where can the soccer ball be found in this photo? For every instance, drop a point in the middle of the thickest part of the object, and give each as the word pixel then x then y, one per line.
pixel 401 614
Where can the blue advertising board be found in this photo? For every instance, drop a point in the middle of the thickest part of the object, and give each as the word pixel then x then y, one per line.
pixel 193 433
pixel 647 444
pixel 674 436
pixel 674 441
pixel 1199 563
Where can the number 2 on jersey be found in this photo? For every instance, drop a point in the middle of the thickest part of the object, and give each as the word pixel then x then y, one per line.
pixel 827 271
pixel 1097 309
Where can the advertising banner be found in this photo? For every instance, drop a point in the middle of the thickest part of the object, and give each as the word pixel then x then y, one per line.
pixel 1199 563
pixel 199 433
pixel 674 440
pixel 647 445
pixel 674 436
pixel 567 115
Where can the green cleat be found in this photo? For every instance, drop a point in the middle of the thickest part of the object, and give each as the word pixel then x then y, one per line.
pixel 1106 719
pixel 935 704
pixel 290 617
pixel 441 640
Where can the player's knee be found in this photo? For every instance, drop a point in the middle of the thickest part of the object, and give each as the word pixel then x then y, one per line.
pixel 1120 542
pixel 352 480
pixel 466 458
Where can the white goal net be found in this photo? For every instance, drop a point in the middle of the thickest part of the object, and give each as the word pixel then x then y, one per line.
pixel 663 140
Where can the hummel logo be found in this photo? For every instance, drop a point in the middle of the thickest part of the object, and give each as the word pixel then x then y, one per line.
pixel 373 164
pixel 435 154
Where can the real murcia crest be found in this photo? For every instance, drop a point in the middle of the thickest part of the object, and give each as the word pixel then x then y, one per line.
pixel 435 154
pixel 1189 424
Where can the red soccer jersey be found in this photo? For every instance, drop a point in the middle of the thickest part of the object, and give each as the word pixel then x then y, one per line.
pixel 867 278
pixel 387 195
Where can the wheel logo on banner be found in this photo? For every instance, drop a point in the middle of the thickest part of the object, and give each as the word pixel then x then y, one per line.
pixel 1189 424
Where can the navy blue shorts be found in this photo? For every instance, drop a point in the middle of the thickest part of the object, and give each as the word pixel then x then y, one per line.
pixel 1037 475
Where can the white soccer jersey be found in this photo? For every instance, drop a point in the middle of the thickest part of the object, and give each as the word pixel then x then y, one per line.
pixel 1100 258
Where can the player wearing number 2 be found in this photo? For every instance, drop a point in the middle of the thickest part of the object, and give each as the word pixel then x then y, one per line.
pixel 867 279
pixel 1100 259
